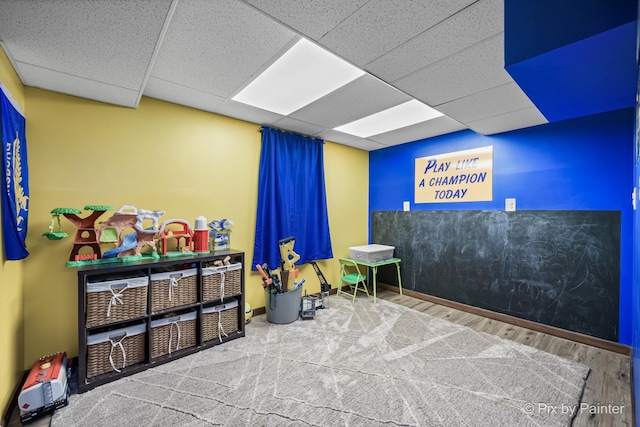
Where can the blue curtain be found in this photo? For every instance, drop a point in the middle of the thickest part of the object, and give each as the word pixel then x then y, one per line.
pixel 291 198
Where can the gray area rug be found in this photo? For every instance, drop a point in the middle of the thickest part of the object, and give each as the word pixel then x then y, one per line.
pixel 355 364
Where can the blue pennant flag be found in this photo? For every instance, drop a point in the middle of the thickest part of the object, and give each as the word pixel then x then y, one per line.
pixel 15 179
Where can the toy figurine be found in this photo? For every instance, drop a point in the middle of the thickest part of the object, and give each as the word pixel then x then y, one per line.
pixel 220 234
pixel 289 272
pixel 201 235
pixel 114 231
pixel 55 217
pixel 85 230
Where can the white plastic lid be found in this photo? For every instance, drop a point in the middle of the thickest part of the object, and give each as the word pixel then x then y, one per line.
pixel 220 307
pixel 117 334
pixel 371 248
pixel 218 269
pixel 201 223
pixel 179 274
pixel 131 282
pixel 168 320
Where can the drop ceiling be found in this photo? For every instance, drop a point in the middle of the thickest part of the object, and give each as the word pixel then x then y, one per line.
pixel 448 54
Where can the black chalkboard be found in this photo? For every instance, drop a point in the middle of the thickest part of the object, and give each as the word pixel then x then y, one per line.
pixel 559 268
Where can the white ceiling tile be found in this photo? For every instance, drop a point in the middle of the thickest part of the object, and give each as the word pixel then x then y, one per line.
pixel 217 46
pixel 471 25
pixel 469 71
pixel 446 53
pixel 336 136
pixel 349 140
pixel 492 102
pixel 247 113
pixel 362 97
pixel 365 144
pixel 509 121
pixel 382 25
pixel 287 123
pixel 438 126
pixel 309 17
pixel 108 41
pixel 177 94
pixel 78 86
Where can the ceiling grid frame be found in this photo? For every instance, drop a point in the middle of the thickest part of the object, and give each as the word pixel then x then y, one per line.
pixel 228 43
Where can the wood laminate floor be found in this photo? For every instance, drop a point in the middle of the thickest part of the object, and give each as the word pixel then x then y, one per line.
pixel 608 387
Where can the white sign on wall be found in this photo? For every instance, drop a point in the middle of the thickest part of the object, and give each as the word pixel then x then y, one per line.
pixel 460 176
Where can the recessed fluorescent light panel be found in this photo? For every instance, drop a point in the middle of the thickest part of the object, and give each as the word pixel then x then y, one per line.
pixel 406 114
pixel 303 74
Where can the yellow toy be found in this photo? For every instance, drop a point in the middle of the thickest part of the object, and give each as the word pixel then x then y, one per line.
pixel 248 313
pixel 289 258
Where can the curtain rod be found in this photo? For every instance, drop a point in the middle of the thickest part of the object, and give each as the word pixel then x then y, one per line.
pixel 291 132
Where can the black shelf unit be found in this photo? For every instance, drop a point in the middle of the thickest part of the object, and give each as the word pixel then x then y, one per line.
pixel 147 265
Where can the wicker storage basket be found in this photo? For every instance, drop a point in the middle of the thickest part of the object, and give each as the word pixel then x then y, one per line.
pixel 116 300
pixel 219 320
pixel 173 333
pixel 221 282
pixel 173 289
pixel 112 351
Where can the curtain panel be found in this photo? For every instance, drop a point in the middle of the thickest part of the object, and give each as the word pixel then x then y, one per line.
pixel 291 198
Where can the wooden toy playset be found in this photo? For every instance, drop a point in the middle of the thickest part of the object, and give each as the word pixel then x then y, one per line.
pixel 129 230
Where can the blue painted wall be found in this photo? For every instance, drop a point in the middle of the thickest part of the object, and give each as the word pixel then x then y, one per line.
pixel 636 259
pixel 535 27
pixel 636 281
pixel 579 164
pixel 573 59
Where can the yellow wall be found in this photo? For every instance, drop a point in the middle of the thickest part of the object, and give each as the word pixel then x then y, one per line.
pixel 158 156
pixel 11 283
